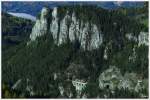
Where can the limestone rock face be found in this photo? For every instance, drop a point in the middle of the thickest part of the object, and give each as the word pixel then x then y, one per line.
pixel 64 27
pixel 54 25
pixel 96 38
pixel 143 38
pixel 40 27
pixel 112 78
pixel 74 28
pixel 130 36
pixel 61 89
pixel 69 28
pixel 105 53
pixel 128 81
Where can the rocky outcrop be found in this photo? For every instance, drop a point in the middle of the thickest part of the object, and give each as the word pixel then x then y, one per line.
pixel 130 37
pixel 16 84
pixel 54 25
pixel 112 79
pixel 61 89
pixel 40 27
pixel 143 38
pixel 69 28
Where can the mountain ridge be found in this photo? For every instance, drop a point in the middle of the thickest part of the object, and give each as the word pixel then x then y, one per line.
pixel 34 7
pixel 64 48
pixel 72 26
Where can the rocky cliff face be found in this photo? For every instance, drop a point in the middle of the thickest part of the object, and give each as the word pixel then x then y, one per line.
pixel 142 38
pixel 112 78
pixel 40 27
pixel 69 28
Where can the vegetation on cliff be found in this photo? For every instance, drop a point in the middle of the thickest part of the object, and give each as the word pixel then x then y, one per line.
pixel 41 59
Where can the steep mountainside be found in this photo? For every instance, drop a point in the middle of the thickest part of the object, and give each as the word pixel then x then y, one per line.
pixel 14 30
pixel 89 31
pixel 69 28
pixel 75 49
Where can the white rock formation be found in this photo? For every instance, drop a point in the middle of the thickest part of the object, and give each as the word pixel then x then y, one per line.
pixel 128 81
pixel 55 76
pixel 63 35
pixel 72 28
pixel 143 38
pixel 40 27
pixel 105 53
pixel 89 37
pixel 61 89
pixel 96 37
pixel 130 36
pixel 16 84
pixel 133 56
pixel 54 25
pixel 113 78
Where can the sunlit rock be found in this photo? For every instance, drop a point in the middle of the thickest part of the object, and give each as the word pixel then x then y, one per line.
pixel 40 27
pixel 70 29
pixel 143 38
pixel 54 25
pixel 110 78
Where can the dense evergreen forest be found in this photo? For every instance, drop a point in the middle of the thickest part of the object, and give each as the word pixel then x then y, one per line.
pixel 14 30
pixel 39 60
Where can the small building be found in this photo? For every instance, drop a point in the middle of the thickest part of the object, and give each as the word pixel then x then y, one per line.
pixel 79 85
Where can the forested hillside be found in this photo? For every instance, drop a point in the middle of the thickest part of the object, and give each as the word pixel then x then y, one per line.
pixel 14 30
pixel 39 67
